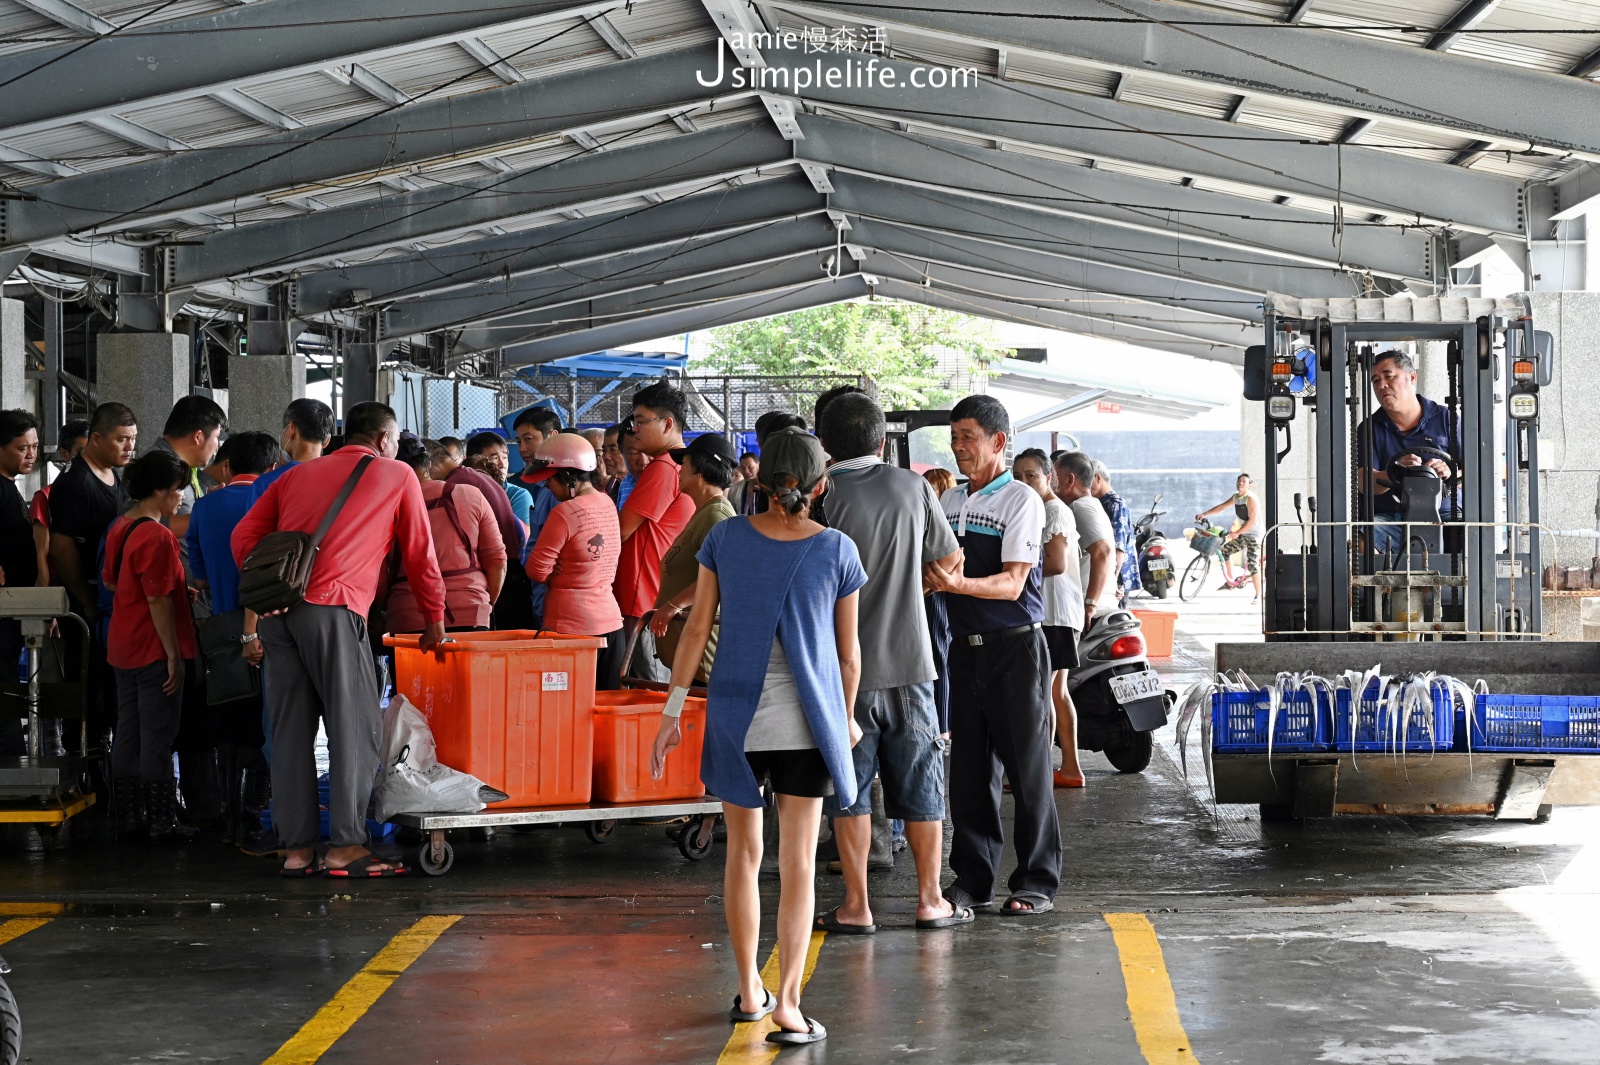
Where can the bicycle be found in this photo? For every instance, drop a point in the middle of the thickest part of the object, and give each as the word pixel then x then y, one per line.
pixel 1206 541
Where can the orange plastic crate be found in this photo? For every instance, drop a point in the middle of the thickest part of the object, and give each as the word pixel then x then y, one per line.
pixel 515 709
pixel 1158 626
pixel 625 727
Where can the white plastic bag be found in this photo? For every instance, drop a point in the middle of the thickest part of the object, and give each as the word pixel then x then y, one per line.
pixel 413 781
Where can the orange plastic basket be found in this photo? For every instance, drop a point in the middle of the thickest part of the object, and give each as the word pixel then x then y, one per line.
pixel 515 709
pixel 1158 627
pixel 625 727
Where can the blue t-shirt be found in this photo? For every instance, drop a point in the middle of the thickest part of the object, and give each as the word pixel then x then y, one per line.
pixel 521 504
pixel 210 538
pixel 263 482
pixel 1001 522
pixel 783 589
pixel 625 489
pixel 1122 530
pixel 1432 430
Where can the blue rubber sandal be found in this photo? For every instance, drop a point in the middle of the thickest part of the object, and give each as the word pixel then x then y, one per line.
pixel 738 1016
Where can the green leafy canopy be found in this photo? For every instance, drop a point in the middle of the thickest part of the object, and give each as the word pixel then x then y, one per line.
pixel 899 345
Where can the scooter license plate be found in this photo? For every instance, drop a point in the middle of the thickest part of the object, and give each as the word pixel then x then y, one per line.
pixel 1159 568
pixel 1131 687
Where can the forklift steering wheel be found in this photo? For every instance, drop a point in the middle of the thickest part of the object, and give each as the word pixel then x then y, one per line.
pixel 1396 472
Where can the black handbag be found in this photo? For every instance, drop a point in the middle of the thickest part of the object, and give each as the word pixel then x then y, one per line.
pixel 229 678
pixel 277 571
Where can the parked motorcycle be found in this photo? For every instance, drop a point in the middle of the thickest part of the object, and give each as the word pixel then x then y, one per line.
pixel 10 1021
pixel 1119 698
pixel 1150 543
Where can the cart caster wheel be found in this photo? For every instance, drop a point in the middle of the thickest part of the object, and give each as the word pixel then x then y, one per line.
pixel 599 831
pixel 689 844
pixel 426 863
pixel 50 836
pixel 1543 815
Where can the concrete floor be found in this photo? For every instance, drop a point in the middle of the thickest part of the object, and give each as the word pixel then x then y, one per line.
pixel 1358 940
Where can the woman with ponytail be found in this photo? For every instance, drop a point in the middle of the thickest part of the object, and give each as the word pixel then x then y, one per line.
pixel 779 708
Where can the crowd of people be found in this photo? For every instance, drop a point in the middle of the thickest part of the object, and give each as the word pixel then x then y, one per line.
pixel 852 622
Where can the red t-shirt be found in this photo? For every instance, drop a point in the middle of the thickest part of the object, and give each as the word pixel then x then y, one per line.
pixel 576 556
pixel 39 511
pixel 666 510
pixel 151 567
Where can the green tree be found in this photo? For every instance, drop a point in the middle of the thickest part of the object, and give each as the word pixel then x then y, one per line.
pixel 898 345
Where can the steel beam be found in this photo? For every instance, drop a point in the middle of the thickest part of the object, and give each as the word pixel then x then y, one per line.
pixel 241 46
pixel 696 160
pixel 1358 74
pixel 650 326
pixel 70 15
pixel 658 299
pixel 1200 218
pixel 1468 16
pixel 1025 314
pixel 557 247
pixel 220 178
pixel 693 260
pixel 1113 130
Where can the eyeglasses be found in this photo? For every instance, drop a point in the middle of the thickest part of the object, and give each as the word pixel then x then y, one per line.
pixel 636 421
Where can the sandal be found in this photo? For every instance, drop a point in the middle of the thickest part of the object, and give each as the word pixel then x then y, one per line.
pixel 829 922
pixel 961 900
pixel 959 915
pixel 814 1033
pixel 362 869
pixel 738 1016
pixel 300 872
pixel 1036 901
pixel 1064 780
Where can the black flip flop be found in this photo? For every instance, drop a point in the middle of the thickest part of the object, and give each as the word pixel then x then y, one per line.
pixel 1038 903
pixel 961 900
pixel 814 1033
pixel 301 873
pixel 361 869
pixel 829 922
pixel 961 915
pixel 738 1016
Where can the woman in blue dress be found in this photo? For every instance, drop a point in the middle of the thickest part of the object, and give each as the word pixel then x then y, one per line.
pixel 778 710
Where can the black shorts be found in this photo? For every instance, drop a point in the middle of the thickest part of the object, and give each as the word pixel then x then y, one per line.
pixel 1062 642
pixel 801 773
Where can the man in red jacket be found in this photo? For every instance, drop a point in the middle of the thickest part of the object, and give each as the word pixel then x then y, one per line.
pixel 318 662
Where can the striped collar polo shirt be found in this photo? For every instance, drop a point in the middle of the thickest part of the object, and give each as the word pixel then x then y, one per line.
pixel 1001 522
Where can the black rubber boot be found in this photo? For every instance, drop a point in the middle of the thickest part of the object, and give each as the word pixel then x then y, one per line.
pixel 128 794
pixel 232 791
pixel 255 788
pixel 202 793
pixel 161 806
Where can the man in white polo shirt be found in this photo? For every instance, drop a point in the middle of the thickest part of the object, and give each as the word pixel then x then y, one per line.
pixel 999 671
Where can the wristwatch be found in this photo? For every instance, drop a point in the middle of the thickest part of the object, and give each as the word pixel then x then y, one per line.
pixel 249 637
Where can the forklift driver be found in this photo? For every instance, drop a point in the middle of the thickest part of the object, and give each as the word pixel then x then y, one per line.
pixel 1406 421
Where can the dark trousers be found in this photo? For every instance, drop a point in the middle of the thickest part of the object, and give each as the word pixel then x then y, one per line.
pixel 11 739
pixel 1000 717
pixel 320 666
pixel 514 608
pixel 147 723
pixel 608 661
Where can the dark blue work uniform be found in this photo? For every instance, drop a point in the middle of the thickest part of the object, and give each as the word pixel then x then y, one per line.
pixel 1388 442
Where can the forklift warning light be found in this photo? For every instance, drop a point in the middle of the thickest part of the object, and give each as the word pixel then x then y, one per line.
pixel 1282 371
pixel 1522 370
pixel 1280 408
pixel 1524 406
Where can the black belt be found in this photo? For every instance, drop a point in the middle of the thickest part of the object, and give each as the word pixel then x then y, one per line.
pixel 1003 634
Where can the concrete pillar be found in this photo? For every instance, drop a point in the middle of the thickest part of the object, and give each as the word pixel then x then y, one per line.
pixel 360 381
pixel 1569 441
pixel 147 371
pixel 16 391
pixel 260 387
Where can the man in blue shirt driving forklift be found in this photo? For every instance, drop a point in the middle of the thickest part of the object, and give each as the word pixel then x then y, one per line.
pixel 1404 421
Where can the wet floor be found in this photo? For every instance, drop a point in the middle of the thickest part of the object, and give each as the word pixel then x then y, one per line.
pixel 1182 934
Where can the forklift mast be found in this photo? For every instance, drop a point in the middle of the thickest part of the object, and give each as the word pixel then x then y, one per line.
pixel 1329 585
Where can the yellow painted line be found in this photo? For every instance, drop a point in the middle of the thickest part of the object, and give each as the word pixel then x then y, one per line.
pixel 1152 1006
pixel 20 926
pixel 357 996
pixel 31 909
pixel 748 1044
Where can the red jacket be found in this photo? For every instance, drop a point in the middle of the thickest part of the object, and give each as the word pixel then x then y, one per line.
pixel 385 509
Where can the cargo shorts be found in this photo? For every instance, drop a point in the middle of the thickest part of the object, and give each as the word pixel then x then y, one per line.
pixel 900 743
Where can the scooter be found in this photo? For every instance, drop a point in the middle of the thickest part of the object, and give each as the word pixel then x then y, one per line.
pixel 1155 565
pixel 10 1021
pixel 1120 700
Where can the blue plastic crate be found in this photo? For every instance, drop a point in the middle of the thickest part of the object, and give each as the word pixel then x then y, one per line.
pixel 378 830
pixel 1566 724
pixel 1429 729
pixel 1239 723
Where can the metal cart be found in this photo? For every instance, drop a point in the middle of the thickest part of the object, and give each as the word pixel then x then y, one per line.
pixel 599 821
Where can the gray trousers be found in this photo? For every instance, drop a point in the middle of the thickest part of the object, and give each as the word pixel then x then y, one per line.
pixel 321 667
pixel 147 723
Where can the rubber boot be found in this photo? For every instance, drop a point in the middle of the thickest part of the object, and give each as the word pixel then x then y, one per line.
pixel 202 793
pixel 161 806
pixel 256 794
pixel 232 792
pixel 129 797
pixel 880 857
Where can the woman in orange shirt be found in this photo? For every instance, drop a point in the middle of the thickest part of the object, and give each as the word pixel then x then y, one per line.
pixel 150 641
pixel 576 553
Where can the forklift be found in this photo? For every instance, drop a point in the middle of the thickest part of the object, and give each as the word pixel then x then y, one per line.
pixel 1460 595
